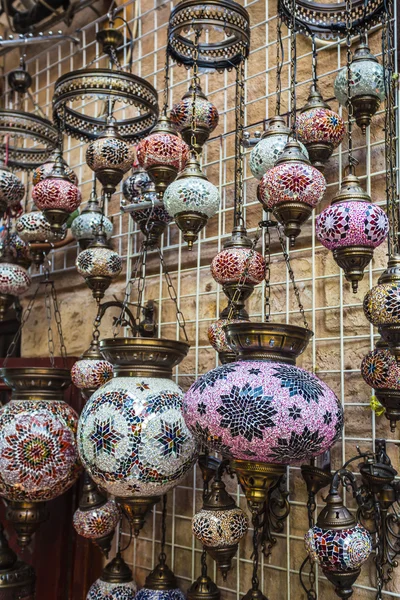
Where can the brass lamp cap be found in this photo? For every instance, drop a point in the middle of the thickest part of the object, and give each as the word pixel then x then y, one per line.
pixel 197 88
pixel 93 352
pixel 192 169
pixel 91 497
pixel 109 37
pixel 117 571
pixel 164 125
pixel 315 100
pixel 335 515
pixel 161 578
pixel 203 589
pixel 218 498
pixel 92 206
pixel 239 238
pixel 36 383
pixel 392 272
pixel 292 153
pixel 362 52
pixel 351 190
pixel 110 130
pixel 274 126
pixel 99 240
pixel 58 171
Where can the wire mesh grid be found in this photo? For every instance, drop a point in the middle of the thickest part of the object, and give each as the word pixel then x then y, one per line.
pixel 342 335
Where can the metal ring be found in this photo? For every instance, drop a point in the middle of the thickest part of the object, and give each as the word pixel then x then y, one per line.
pixel 40 133
pixel 102 84
pixel 225 16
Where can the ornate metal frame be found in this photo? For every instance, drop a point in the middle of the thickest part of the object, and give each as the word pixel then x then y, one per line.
pixel 102 84
pixel 226 16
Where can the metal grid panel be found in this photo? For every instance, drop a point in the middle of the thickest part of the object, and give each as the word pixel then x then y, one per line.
pixel 342 335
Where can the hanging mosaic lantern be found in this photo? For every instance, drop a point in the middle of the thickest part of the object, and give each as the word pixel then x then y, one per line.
pixel 206 117
pixel 38 454
pixel 132 438
pixel 47 167
pixel 191 200
pixel 292 189
pixel 99 265
pixel 34 228
pixel 382 306
pixel 56 196
pixel 367 85
pixel 163 154
pixel 160 584
pixel 381 372
pixel 110 157
pixel 96 518
pixel 86 225
pixel 352 227
pixel 217 338
pixel 115 583
pixel 14 281
pixel 219 526
pixel 12 190
pixel 273 141
pixel 16 247
pixel 339 544
pixel 319 128
pixel 17 579
pixel 92 371
pixel 262 411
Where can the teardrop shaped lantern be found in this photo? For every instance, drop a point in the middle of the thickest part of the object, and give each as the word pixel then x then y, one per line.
pixel 148 448
pixel 380 371
pixel 273 141
pixel 56 196
pixel 352 227
pixel 292 189
pixel 99 265
pixel 163 154
pixel 382 306
pixel 86 225
pixel 191 200
pixel 12 190
pixel 116 582
pixel 14 281
pixel 92 371
pixel 38 453
pixel 367 85
pixel 262 411
pixel 47 167
pixel 17 579
pixel 206 117
pixel 319 128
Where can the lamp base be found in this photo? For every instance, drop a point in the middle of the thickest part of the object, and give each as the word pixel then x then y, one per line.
pixel 390 399
pixel 364 108
pixel 256 479
pixel 353 261
pixel 26 517
pixel 162 176
pixel 292 215
pixel 57 218
pixel 6 301
pixel 190 223
pixel 98 285
pixel 223 558
pixel 343 581
pixel 136 509
pixel 319 154
pixel 391 334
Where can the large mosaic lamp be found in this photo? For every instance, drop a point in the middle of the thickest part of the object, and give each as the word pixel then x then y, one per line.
pixel 191 200
pixel 352 227
pixel 12 190
pixel 38 452
pixel 14 281
pixel 381 371
pixel 220 525
pixel 110 157
pixel 87 224
pixel 17 579
pixel 46 168
pixel 382 306
pixel 160 584
pixel 319 128
pixel 367 85
pixel 262 411
pixel 206 117
pixel 132 438
pixel 116 582
pixel 163 154
pixel 292 189
pixel 91 371
pixel 56 196
pixel 273 141
pixel 339 544
pixel 99 265
pixel 96 518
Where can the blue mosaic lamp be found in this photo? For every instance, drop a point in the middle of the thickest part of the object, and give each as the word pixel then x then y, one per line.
pixel 115 583
pixel 161 584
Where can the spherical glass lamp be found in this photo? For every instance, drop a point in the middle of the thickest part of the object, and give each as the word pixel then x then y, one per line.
pixel 46 168
pixel 292 189
pixel 217 338
pixel 191 200
pixel 367 85
pixel 99 265
pixel 34 228
pixel 115 583
pixel 12 190
pixel 352 227
pixel 14 281
pixel 86 225
pixel 273 141
pixel 160 584
pixel 92 371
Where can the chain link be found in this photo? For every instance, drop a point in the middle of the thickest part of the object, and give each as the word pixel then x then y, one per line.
pixel 141 282
pixel 279 64
pixel 50 340
pixel 267 278
pixel 172 294
pixel 24 319
pixel 195 82
pixel 314 62
pixel 128 290
pixel 293 69
pixel 239 149
pixel 349 103
pixel 256 526
pixel 162 555
pixel 57 316
pixel 166 83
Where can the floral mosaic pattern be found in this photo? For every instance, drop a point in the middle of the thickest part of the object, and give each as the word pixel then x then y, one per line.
pixel 265 154
pixel 366 78
pixel 97 522
pixel 352 224
pixel 56 193
pixel 382 304
pixel 341 550
pixel 205 111
pixel 34 227
pixel 109 152
pixel 132 436
pixel 101 590
pixel 146 594
pixel 12 190
pixel 229 264
pixel 162 149
pixel 265 411
pixel 86 225
pixel 380 369
pixel 14 279
pixel 192 194
pixel 46 169
pixel 217 336
pixel 219 528
pixel 91 373
pixel 320 125
pixel 38 453
pixel 292 182
pixel 95 262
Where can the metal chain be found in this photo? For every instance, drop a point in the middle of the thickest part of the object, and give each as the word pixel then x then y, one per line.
pixel 128 289
pixel 166 83
pixel 162 556
pixel 267 278
pixel 195 81
pixel 293 69
pixel 141 282
pixel 50 340
pixel 114 58
pixel 57 316
pixel 172 294
pixel 314 62
pixel 282 240
pixel 239 149
pixel 279 64
pixel 256 525
pixel 24 319
pixel 349 104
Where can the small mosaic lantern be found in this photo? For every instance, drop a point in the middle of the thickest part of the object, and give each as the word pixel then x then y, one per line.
pixel 17 248
pixel 92 371
pixel 115 583
pixel 160 584
pixel 352 227
pixel 292 189
pixel 12 190
pixel 34 228
pixel 191 200
pixel 206 117
pixel 47 167
pixel 367 85
pixel 14 281
pixel 319 128
pixel 88 223
pixel 163 154
pixel 273 141
pixel 217 338
pixel 219 526
pixel 99 265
